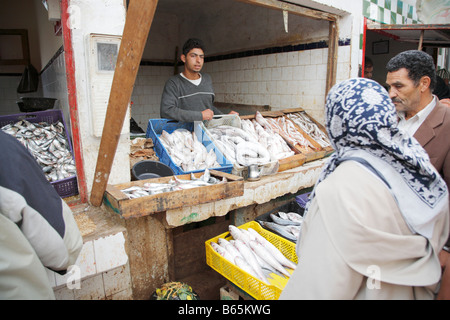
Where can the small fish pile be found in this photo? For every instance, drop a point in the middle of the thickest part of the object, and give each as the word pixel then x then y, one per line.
pixel 151 188
pixel 261 129
pixel 239 146
pixel 285 224
pixel 48 145
pixel 311 128
pixel 186 151
pixel 254 254
pixel 287 130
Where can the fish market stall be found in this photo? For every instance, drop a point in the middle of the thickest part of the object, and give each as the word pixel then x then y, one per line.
pixel 169 219
pixel 170 245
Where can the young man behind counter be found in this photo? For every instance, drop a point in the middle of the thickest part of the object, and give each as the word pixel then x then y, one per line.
pixel 189 95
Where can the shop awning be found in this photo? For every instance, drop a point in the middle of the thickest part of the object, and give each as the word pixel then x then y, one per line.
pixel 426 35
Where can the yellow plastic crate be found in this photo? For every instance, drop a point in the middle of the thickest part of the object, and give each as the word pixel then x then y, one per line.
pixel 253 286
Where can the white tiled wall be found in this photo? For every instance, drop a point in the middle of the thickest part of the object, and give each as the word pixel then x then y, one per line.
pixel 147 93
pixel 54 85
pixel 9 95
pixel 102 270
pixel 283 80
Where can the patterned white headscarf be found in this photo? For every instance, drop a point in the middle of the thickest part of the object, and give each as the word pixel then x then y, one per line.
pixel 362 125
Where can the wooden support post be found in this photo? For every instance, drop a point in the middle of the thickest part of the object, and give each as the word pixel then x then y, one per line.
pixel 137 25
pixel 333 46
pixel 421 40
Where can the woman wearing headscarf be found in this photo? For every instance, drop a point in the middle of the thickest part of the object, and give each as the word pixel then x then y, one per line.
pixel 378 214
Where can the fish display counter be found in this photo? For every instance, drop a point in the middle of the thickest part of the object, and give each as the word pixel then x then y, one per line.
pixel 145 197
pixel 274 140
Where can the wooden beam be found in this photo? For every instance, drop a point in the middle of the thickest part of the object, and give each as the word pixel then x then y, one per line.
pixel 421 40
pixel 333 46
pixel 294 9
pixel 137 25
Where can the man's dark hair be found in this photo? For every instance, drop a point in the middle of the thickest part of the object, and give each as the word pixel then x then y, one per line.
pixel 191 44
pixel 418 63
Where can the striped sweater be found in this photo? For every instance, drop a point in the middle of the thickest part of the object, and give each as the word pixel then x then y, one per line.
pixel 184 101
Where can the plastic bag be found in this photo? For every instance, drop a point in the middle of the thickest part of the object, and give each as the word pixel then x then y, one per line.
pixel 29 81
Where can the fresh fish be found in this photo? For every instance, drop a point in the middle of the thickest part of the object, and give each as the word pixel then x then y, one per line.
pixel 131 189
pixel 287 130
pixel 187 151
pixel 249 235
pixel 224 253
pixel 266 268
pixel 246 252
pixel 238 234
pixel 295 230
pixel 306 124
pixel 278 229
pixel 295 217
pixel 283 220
pixel 264 254
pixel 272 249
pixel 187 184
pixel 230 248
pixel 271 138
pixel 223 242
pixel 241 263
pixel 151 188
pixel 239 146
pixel 48 145
pixel 283 215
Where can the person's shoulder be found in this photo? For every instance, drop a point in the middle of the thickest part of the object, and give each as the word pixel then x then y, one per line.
pixel 443 109
pixel 206 76
pixel 174 78
pixel 444 104
pixel 174 81
pixel 351 177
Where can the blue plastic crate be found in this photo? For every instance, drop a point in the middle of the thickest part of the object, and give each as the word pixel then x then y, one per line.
pixel 154 130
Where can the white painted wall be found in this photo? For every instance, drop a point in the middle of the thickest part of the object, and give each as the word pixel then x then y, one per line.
pixel 101 17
